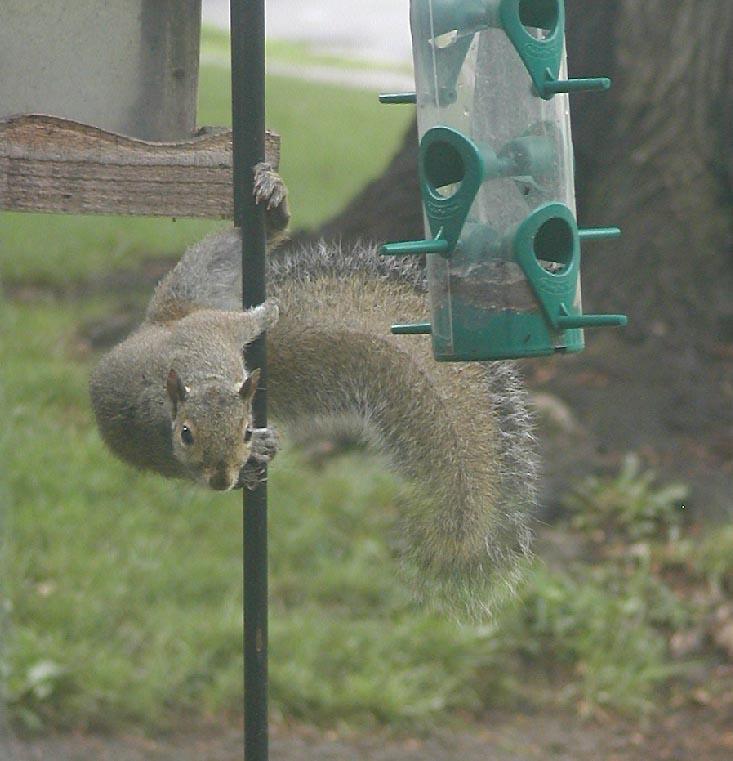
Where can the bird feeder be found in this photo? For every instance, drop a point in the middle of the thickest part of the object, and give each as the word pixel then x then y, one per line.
pixel 127 66
pixel 496 178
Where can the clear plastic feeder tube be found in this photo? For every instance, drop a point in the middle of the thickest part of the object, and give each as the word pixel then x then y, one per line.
pixel 490 141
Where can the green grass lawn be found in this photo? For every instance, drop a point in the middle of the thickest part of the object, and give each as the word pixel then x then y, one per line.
pixel 124 591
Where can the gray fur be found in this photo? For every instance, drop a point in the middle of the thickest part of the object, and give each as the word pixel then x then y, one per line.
pixel 461 435
pixel 135 415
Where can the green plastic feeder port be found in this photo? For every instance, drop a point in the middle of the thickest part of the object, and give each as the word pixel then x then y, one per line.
pixel 496 295
pixel 536 29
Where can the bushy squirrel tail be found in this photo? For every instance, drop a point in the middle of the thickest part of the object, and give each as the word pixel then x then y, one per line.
pixel 460 434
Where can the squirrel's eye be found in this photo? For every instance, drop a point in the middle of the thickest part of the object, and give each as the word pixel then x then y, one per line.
pixel 247 435
pixel 186 436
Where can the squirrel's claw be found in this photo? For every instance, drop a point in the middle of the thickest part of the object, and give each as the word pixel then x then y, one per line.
pixel 270 189
pixel 265 444
pixel 251 475
pixel 270 314
pixel 259 319
pixel 268 185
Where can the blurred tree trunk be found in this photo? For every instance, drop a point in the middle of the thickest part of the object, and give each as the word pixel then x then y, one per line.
pixel 654 156
pixel 664 171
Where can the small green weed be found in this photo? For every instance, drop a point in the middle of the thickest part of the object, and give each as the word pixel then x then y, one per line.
pixel 609 626
pixel 629 505
pixel 713 557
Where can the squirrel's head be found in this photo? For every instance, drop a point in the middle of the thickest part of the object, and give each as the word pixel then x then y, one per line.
pixel 212 428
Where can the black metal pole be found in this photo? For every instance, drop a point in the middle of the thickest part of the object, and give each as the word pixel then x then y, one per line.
pixel 248 121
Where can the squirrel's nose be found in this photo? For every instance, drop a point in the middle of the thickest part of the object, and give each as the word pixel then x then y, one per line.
pixel 220 480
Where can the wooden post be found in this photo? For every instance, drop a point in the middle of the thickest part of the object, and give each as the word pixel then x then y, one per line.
pixel 50 164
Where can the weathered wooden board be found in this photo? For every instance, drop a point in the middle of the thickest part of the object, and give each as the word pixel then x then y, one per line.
pixel 57 165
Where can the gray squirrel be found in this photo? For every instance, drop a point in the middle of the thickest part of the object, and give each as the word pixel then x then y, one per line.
pixel 460 434
pixel 175 397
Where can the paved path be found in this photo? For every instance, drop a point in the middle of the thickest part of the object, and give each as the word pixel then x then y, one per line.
pixel 377 29
pixel 375 79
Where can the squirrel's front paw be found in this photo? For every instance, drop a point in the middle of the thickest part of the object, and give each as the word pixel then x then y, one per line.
pixel 270 189
pixel 251 475
pixel 268 186
pixel 265 444
pixel 265 315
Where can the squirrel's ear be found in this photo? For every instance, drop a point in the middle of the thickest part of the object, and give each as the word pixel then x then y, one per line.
pixel 177 392
pixel 250 385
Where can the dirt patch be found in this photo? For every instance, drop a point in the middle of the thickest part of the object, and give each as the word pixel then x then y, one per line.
pixel 690 735
pixel 625 396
